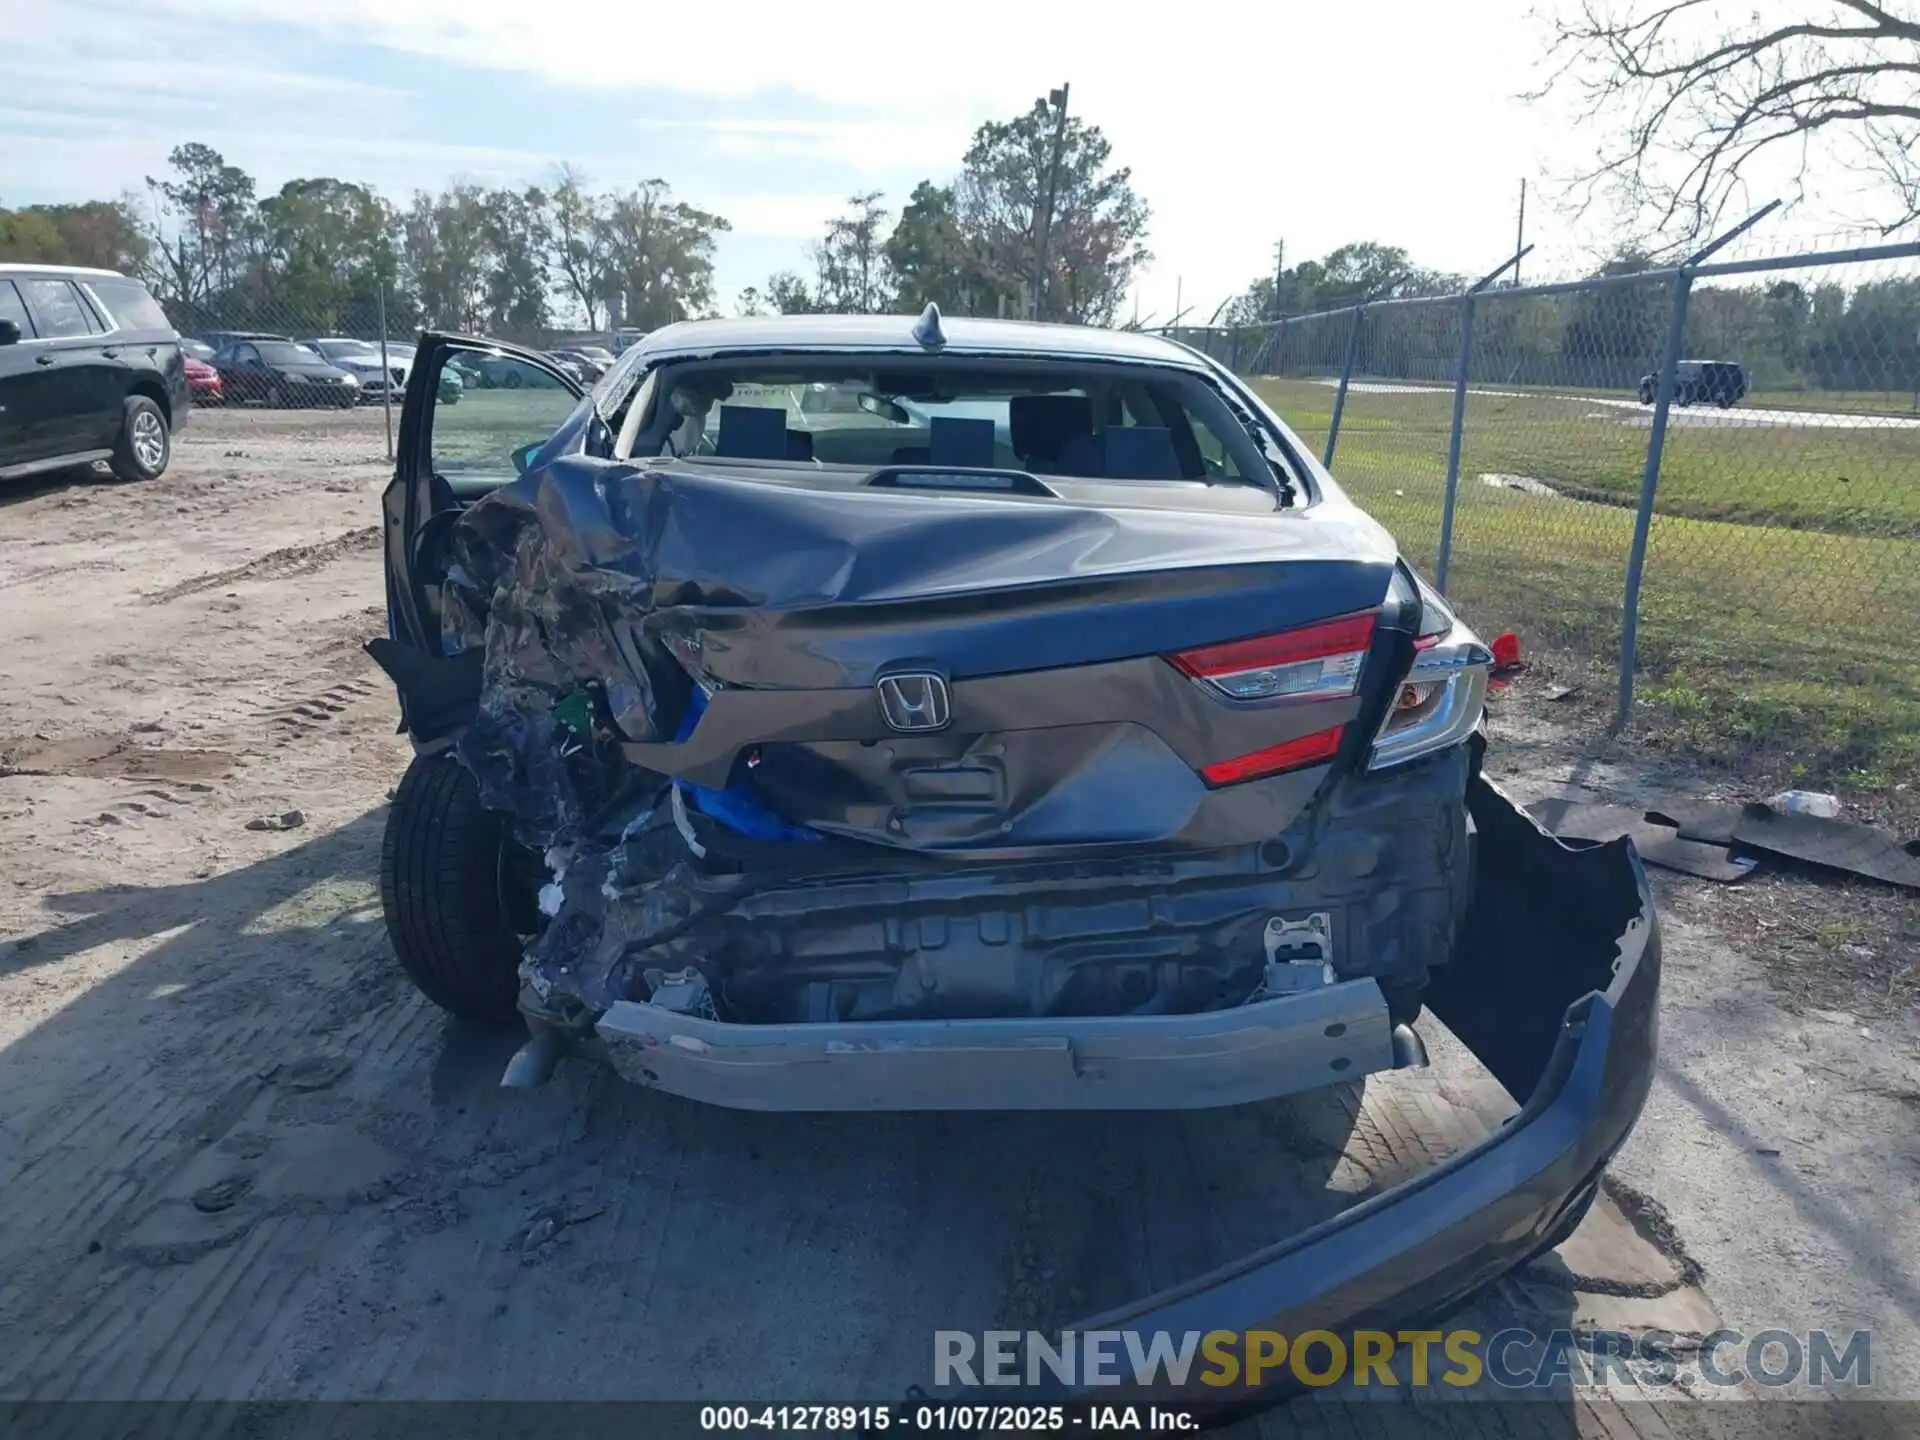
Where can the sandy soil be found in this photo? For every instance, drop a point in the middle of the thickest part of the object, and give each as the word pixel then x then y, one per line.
pixel 241 1158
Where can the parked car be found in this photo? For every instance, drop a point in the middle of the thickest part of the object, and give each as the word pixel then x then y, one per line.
pixel 281 373
pixel 221 339
pixel 361 359
pixel 579 365
pixel 488 371
pixel 203 382
pixel 90 370
pixel 1083 745
pixel 1720 381
pixel 196 350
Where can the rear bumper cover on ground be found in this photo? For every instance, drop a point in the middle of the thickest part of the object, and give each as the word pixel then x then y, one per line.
pixel 1555 989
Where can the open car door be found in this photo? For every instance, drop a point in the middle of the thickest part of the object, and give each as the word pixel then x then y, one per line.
pixel 476 416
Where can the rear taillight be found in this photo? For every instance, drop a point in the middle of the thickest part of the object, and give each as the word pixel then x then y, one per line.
pixel 1321 661
pixel 1441 701
pixel 1316 662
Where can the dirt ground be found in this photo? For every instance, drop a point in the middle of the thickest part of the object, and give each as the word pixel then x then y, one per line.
pixel 240 1158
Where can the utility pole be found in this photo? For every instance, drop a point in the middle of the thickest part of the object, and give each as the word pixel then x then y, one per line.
pixel 1058 100
pixel 1279 277
pixel 1178 282
pixel 1520 235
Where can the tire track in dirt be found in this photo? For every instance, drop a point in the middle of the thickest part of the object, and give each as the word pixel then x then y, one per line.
pixel 281 564
pixel 54 572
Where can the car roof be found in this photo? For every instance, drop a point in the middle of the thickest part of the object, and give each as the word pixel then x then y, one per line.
pixel 27 268
pixel 882 333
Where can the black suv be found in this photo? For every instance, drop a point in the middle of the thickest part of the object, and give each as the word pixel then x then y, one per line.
pixel 89 370
pixel 1720 381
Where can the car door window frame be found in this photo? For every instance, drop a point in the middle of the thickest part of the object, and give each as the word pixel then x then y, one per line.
pixel 28 333
pixel 103 313
pixel 416 494
pixel 566 385
pixel 79 301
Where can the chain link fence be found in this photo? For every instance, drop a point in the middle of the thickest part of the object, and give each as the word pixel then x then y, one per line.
pixel 1694 491
pixel 253 342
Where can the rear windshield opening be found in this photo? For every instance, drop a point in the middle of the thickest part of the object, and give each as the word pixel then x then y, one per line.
pixel 1119 423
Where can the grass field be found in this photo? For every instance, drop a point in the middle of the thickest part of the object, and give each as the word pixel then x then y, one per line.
pixel 1782 586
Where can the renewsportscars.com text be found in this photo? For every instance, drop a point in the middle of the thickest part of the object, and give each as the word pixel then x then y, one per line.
pixel 1511 1359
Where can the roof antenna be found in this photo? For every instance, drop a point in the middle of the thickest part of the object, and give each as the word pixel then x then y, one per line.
pixel 927 331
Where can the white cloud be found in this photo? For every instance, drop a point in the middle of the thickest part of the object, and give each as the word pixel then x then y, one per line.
pixel 1243 123
pixel 866 144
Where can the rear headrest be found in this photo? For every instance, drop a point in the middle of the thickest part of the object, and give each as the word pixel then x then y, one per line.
pixel 1040 424
pixel 952 441
pixel 1140 452
pixel 751 432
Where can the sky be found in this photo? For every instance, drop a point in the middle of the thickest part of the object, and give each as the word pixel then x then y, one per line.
pixel 1244 124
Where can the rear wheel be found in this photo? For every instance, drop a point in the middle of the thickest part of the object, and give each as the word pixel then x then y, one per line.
pixel 457 892
pixel 144 444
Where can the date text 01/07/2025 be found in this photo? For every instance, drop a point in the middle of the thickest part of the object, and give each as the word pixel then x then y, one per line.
pixel 911 1418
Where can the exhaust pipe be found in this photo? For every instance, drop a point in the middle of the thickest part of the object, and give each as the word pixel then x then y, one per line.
pixel 533 1063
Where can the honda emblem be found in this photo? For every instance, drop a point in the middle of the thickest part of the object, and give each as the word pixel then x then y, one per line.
pixel 917 700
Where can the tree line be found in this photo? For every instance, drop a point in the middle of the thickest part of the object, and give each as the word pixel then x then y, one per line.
pixel 324 254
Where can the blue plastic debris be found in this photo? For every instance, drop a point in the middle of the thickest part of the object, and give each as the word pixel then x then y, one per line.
pixel 737 807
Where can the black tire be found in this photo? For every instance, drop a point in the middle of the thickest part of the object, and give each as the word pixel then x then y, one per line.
pixel 444 867
pixel 1646 395
pixel 145 443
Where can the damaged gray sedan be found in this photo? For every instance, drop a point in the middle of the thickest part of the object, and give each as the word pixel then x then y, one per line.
pixel 863 713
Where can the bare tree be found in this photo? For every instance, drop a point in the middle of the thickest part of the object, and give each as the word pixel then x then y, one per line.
pixel 577 219
pixel 1692 93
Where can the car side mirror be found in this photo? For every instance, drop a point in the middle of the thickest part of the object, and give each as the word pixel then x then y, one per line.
pixel 523 455
pixel 9 333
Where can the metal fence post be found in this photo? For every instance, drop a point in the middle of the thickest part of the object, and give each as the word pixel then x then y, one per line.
pixel 1233 350
pixel 1656 448
pixel 1445 561
pixel 386 369
pixel 1340 395
pixel 1649 483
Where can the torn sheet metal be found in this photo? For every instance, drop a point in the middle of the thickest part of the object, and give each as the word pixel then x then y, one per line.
pixel 1658 844
pixel 1725 842
pixel 1846 845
